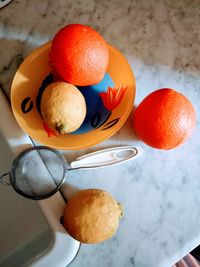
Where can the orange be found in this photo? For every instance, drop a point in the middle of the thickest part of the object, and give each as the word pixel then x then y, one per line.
pixel 164 119
pixel 79 55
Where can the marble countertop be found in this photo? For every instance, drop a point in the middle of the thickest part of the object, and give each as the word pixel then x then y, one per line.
pixel 161 189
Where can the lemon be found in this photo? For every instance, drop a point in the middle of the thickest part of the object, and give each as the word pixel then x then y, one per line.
pixel 92 216
pixel 63 107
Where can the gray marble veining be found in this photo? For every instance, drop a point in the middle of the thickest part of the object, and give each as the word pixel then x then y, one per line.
pixel 160 190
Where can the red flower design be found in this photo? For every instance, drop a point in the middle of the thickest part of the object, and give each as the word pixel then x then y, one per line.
pixel 49 131
pixel 113 97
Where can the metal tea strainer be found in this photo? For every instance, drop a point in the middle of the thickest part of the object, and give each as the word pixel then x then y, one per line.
pixel 39 172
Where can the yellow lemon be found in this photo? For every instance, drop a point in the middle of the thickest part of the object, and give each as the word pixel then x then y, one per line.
pixel 92 216
pixel 63 107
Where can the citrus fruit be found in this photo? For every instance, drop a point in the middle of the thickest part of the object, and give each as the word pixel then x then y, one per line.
pixel 164 119
pixel 79 55
pixel 92 216
pixel 63 107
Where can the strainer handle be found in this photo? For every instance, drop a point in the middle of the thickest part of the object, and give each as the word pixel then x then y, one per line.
pixel 105 158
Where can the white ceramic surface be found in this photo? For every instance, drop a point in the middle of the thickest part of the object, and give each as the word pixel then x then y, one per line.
pixel 160 190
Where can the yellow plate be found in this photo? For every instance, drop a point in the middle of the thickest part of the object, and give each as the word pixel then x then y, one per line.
pixel 28 80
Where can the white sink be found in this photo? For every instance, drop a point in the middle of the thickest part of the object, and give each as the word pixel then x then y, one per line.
pixel 30 231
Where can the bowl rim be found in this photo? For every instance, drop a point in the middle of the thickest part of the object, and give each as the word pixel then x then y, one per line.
pixel 98 138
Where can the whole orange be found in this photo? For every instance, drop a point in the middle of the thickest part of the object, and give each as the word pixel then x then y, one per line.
pixel 164 119
pixel 79 55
